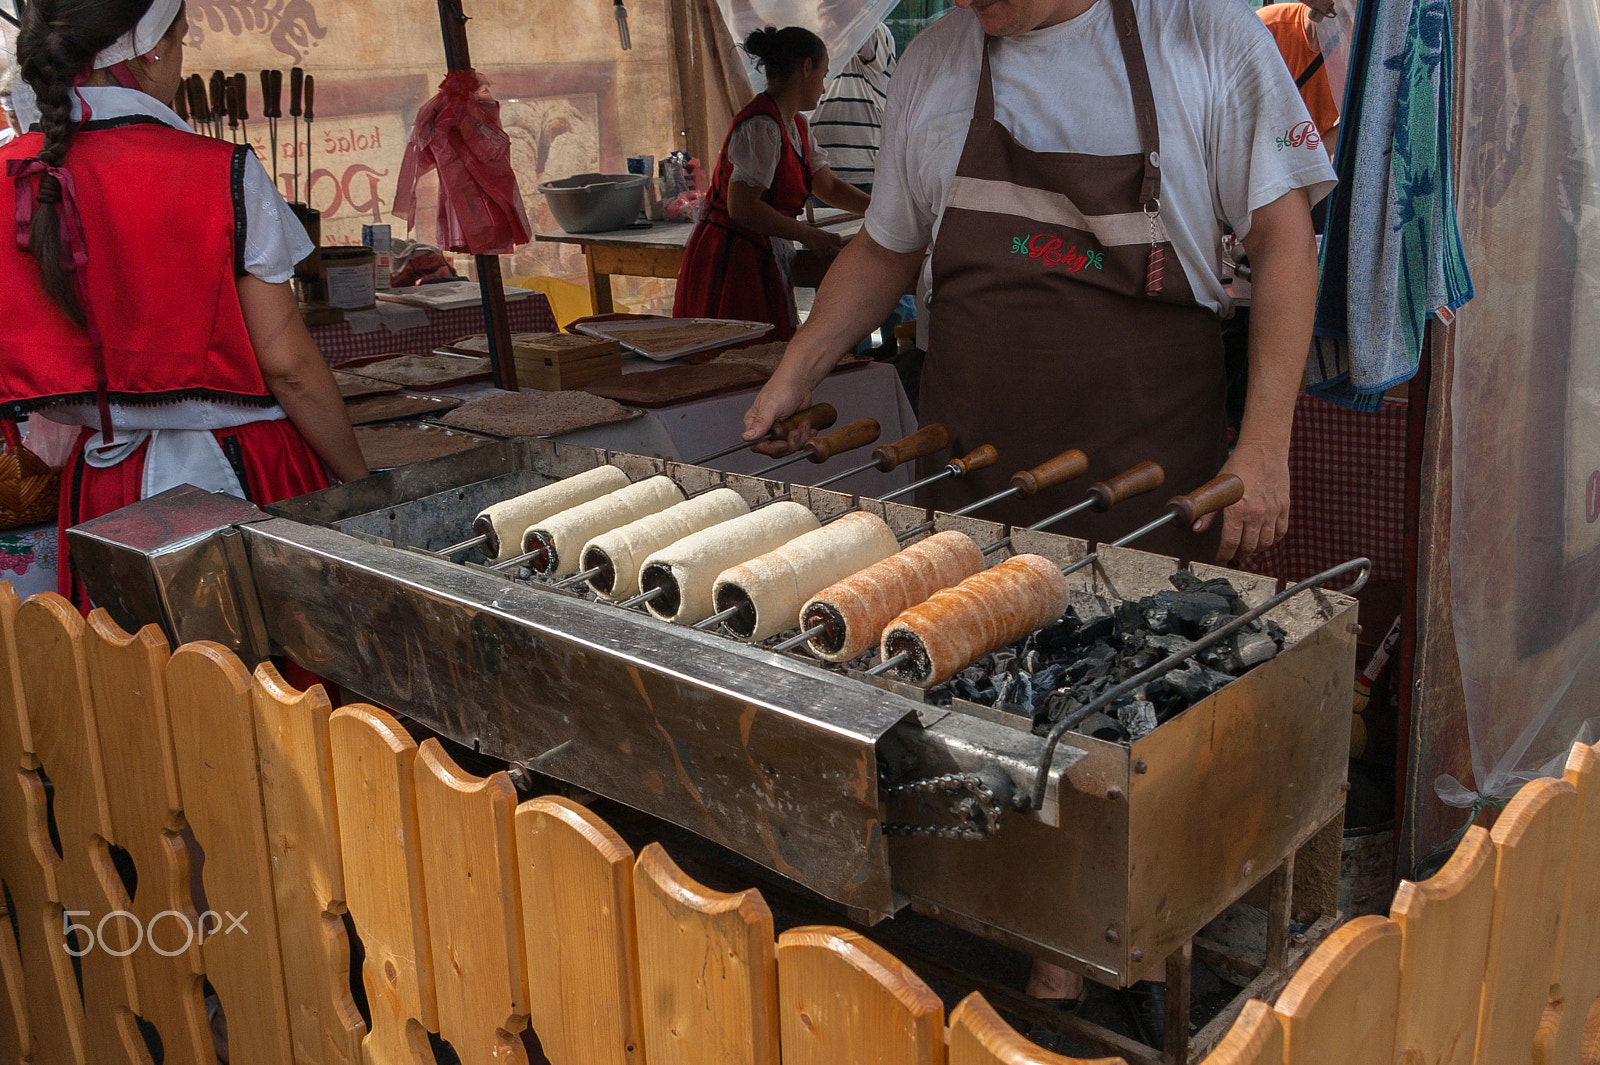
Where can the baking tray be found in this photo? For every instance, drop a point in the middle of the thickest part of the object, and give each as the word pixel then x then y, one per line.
pixel 398 405
pixel 677 384
pixel 355 386
pixel 621 331
pixel 393 444
pixel 630 414
pixel 449 369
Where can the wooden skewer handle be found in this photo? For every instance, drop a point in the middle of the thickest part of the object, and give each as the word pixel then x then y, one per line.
pixel 920 444
pixel 1221 491
pixel 822 416
pixel 1133 481
pixel 241 91
pixel 978 459
pixel 310 99
pixel 219 105
pixel 858 433
pixel 297 79
pixel 277 94
pixel 1064 467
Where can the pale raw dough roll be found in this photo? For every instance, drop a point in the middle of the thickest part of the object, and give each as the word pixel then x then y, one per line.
pixel 563 535
pixel 957 626
pixel 695 562
pixel 624 550
pixel 860 607
pixel 776 583
pixel 511 518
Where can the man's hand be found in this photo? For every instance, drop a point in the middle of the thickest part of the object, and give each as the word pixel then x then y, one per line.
pixel 781 397
pixel 1321 9
pixel 1261 518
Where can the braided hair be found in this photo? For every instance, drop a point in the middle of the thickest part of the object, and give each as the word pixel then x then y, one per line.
pixel 779 53
pixel 56 45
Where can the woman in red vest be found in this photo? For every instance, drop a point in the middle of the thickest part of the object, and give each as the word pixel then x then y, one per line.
pixel 147 296
pixel 736 264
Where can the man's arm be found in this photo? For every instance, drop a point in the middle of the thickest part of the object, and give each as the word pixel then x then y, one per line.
pixel 860 288
pixel 1283 291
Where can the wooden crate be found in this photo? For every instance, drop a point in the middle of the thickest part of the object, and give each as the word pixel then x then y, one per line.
pixel 558 361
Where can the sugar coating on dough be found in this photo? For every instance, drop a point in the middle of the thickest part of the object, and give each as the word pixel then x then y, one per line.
pixel 697 559
pixel 864 603
pixel 563 535
pixel 776 583
pixel 512 517
pixel 957 626
pixel 626 548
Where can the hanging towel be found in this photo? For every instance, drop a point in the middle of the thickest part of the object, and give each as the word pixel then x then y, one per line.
pixel 1391 256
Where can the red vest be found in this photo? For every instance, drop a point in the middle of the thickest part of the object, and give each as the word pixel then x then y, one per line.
pixel 164 220
pixel 791 182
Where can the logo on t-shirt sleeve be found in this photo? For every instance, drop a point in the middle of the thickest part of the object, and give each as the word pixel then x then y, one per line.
pixel 1304 135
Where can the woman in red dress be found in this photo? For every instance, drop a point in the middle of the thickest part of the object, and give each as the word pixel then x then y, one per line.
pixel 147 299
pixel 736 264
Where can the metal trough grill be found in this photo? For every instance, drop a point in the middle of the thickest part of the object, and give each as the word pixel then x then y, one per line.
pixel 775 756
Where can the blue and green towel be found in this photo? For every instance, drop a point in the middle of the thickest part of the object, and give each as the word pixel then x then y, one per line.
pixel 1392 255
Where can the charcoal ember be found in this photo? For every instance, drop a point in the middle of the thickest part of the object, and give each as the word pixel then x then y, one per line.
pixel 1214 621
pixel 1138 663
pixel 1246 650
pixel 1019 700
pixel 1055 639
pixel 1276 632
pixel 1103 727
pixel 1138 718
pixel 1129 619
pixel 1187 684
pixel 1186 581
pixel 1157 618
pixel 1092 617
pixel 1049 678
pixel 1166 645
pixel 1062 703
pixel 1190 609
pixel 1002 688
pixel 965 688
pixel 1095 665
pixel 1031 662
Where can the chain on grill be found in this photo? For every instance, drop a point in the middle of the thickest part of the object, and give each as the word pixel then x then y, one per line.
pixel 973 803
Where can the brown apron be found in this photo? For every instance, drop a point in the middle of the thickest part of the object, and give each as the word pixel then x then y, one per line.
pixel 1061 317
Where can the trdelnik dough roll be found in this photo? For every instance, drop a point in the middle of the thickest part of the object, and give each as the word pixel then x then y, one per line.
pixel 618 554
pixel 562 536
pixel 506 521
pixel 689 567
pixel 858 608
pixel 776 583
pixel 957 626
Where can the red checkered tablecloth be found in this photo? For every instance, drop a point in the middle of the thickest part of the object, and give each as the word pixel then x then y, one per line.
pixel 528 314
pixel 1347 492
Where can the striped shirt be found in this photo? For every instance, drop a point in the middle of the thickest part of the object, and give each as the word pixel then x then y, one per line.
pixel 847 120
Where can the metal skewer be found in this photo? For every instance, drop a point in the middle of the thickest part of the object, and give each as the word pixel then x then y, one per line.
pixel 297 83
pixel 310 116
pixel 822 416
pixel 643 597
pixel 887 457
pixel 1067 466
pixel 271 109
pixel 819 449
pixel 1103 495
pixel 1221 491
pixel 979 459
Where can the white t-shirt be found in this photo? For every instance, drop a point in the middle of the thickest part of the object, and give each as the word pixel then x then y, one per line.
pixel 755 146
pixel 1224 100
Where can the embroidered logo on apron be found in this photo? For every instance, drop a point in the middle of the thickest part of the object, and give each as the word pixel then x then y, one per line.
pixel 1047 249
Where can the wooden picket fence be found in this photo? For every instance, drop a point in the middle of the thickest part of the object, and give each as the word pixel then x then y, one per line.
pixel 483 919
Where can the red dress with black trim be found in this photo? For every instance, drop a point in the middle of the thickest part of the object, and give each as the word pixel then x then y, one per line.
pixel 730 271
pixel 163 222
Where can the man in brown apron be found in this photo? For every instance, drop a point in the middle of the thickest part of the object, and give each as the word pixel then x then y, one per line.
pixel 1060 314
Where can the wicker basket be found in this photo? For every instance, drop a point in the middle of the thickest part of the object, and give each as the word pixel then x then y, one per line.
pixel 29 490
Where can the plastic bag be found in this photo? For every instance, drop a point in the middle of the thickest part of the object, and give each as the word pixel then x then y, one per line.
pixel 458 132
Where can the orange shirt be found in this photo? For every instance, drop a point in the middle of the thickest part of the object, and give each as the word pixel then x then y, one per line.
pixel 1287 24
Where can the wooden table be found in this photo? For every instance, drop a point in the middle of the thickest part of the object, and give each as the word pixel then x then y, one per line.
pixel 657 251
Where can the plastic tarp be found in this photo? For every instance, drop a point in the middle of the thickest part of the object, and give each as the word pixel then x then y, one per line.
pixel 843 25
pixel 1525 400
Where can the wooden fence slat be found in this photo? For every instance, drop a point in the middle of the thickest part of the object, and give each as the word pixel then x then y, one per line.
pixel 55 693
pixel 208 698
pixel 1560 1037
pixel 127 679
pixel 14 1032
pixel 842 997
pixel 576 875
pixel 707 969
pixel 1444 922
pixel 27 873
pixel 979 1037
pixel 474 907
pixel 1255 1038
pixel 1532 839
pixel 1340 1008
pixel 308 882
pixel 374 784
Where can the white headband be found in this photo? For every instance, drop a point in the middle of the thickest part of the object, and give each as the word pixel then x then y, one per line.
pixel 143 37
